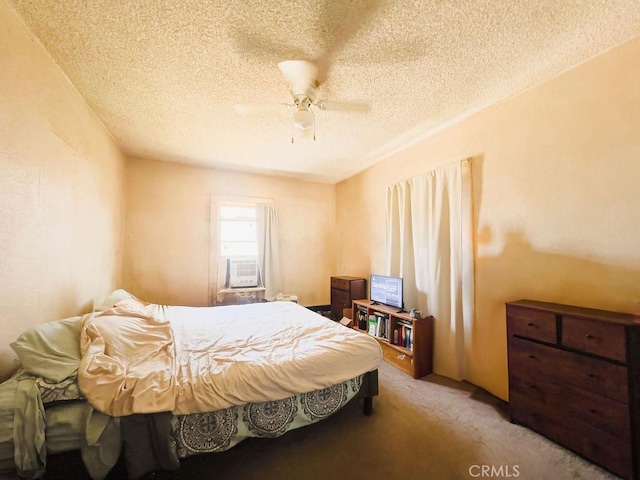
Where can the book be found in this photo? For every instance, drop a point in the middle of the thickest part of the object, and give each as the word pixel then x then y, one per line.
pixel 373 325
pixel 380 327
pixel 405 331
pixel 361 316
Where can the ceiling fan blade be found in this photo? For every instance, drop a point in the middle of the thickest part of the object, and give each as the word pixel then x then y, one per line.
pixel 352 22
pixel 343 106
pixel 258 46
pixel 249 108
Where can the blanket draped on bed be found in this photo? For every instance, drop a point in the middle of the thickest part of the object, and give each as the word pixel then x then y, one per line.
pixel 145 358
pixel 25 422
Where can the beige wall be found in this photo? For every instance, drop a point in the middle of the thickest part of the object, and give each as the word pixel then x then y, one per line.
pixel 557 203
pixel 168 236
pixel 61 184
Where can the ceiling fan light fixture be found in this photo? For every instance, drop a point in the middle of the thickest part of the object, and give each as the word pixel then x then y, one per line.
pixel 303 120
pixel 303 126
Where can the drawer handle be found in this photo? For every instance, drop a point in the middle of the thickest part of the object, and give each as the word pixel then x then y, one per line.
pixel 589 336
pixel 593 411
pixel 532 357
pixel 534 387
pixel 402 356
pixel 591 375
pixel 531 324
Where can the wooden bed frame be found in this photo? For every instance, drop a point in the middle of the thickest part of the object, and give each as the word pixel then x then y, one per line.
pixel 368 390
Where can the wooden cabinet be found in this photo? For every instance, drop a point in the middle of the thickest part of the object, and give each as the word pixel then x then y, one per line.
pixel 574 376
pixel 414 356
pixel 344 290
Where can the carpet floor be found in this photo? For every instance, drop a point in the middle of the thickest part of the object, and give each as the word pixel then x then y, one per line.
pixel 431 428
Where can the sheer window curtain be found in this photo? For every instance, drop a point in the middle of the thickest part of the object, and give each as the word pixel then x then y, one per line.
pixel 430 245
pixel 268 249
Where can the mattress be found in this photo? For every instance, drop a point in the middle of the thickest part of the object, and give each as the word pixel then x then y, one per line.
pixel 153 358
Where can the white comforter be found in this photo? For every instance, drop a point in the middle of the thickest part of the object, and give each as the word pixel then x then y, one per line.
pixel 144 358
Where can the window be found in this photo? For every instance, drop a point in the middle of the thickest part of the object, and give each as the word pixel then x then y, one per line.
pixel 240 228
pixel 237 230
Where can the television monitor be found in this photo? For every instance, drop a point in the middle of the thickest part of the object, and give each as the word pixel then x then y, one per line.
pixel 386 290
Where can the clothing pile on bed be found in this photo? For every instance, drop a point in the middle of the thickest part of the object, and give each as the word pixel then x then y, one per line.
pixel 42 410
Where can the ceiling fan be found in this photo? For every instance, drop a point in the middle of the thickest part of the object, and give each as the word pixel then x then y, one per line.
pixel 303 79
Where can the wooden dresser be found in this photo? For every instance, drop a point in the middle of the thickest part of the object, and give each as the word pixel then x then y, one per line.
pixel 574 376
pixel 345 290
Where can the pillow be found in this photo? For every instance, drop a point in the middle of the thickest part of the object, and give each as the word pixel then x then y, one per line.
pixel 133 305
pixel 50 350
pixel 115 297
pixel 9 363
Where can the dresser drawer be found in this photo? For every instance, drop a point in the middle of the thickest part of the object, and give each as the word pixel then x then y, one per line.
pixel 340 300
pixel 598 376
pixel 599 338
pixel 583 411
pixel 338 310
pixel 610 452
pixel 339 283
pixel 339 296
pixel 530 323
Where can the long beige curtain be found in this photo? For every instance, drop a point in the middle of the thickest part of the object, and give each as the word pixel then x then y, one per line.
pixel 268 249
pixel 430 245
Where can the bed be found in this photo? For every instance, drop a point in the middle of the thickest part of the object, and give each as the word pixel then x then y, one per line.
pixel 192 379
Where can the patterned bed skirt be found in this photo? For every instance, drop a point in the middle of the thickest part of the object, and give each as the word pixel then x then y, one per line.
pixel 185 435
pixel 220 430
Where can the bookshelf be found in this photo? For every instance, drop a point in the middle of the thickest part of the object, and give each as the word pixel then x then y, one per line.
pixel 407 343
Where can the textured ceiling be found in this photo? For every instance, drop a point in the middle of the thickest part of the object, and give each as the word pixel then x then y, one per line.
pixel 163 75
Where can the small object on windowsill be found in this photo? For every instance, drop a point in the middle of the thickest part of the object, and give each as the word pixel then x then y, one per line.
pixel 286 297
pixel 235 296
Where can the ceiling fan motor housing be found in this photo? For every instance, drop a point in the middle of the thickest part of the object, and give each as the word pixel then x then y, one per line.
pixel 302 102
pixel 302 78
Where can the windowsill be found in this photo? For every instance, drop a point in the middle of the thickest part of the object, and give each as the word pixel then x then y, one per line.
pixel 242 289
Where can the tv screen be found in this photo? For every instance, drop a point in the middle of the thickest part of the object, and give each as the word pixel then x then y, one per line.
pixel 386 290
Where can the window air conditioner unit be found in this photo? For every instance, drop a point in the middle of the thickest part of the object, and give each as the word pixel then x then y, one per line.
pixel 242 272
